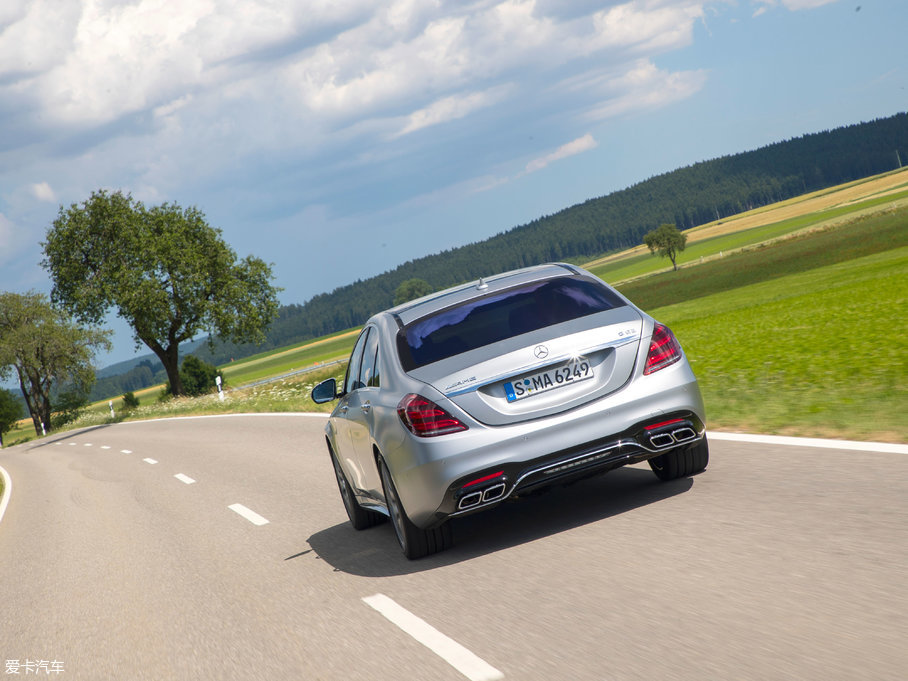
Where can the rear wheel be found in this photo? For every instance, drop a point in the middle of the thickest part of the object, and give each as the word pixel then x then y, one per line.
pixel 682 461
pixel 414 542
pixel 360 517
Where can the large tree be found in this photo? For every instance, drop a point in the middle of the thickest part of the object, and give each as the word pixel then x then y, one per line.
pixel 164 269
pixel 49 353
pixel 666 241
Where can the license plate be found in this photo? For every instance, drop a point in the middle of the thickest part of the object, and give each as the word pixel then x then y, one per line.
pixel 556 377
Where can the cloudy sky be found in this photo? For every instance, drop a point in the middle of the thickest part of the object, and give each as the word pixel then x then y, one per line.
pixel 337 139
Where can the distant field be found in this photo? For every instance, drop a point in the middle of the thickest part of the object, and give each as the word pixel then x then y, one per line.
pixel 822 209
pixel 863 236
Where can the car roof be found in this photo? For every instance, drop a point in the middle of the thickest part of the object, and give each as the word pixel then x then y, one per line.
pixel 421 307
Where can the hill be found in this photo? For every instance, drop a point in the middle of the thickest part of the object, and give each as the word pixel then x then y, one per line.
pixel 689 196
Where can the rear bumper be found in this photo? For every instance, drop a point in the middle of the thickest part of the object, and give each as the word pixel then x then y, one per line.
pixel 434 475
pixel 485 489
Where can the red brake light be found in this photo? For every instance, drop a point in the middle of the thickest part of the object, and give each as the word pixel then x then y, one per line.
pixel 424 418
pixel 664 350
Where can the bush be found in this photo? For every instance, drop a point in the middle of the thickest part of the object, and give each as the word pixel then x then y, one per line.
pixel 130 401
pixel 67 407
pixel 197 376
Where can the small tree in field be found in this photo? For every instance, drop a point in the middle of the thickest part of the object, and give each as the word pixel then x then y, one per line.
pixel 666 241
pixel 411 289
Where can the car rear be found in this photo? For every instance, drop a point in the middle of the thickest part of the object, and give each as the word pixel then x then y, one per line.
pixel 533 378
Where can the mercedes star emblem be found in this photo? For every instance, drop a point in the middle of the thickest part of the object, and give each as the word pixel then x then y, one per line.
pixel 541 352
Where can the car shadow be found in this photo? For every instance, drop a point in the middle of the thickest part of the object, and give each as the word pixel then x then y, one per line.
pixel 374 552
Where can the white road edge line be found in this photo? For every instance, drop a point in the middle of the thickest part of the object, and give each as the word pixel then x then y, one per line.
pixel 7 490
pixel 464 661
pixel 249 515
pixel 882 447
pixel 151 461
pixel 184 478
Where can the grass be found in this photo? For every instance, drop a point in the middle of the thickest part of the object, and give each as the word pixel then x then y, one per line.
pixel 820 353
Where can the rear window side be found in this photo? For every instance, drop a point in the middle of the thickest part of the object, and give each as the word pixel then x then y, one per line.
pixel 499 316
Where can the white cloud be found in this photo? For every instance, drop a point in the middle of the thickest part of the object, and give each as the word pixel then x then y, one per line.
pixel 43 192
pixel 639 86
pixel 451 108
pixel 791 5
pixel 578 146
pixel 647 26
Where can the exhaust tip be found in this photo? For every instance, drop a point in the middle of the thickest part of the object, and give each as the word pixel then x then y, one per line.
pixel 494 492
pixel 684 434
pixel 662 440
pixel 470 500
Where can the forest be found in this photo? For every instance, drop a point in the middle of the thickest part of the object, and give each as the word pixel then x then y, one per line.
pixel 687 197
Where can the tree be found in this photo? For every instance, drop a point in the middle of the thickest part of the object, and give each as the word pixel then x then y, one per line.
pixel 10 412
pixel 166 271
pixel 411 289
pixel 50 354
pixel 666 241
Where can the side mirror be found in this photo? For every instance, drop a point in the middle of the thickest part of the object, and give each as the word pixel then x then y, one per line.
pixel 326 391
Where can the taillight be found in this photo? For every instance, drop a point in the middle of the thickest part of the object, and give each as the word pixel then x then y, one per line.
pixel 424 418
pixel 664 350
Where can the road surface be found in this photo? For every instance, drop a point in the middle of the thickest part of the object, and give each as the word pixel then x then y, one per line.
pixel 218 548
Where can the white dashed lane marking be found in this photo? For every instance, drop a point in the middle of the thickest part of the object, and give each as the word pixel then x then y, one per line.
pixel 464 661
pixel 249 515
pixel 151 461
pixel 126 451
pixel 184 478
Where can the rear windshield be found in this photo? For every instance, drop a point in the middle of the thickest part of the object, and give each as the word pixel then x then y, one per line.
pixel 499 316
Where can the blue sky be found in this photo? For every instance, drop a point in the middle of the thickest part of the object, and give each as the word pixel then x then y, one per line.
pixel 337 139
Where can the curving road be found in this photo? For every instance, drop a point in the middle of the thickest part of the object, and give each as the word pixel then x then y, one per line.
pixel 218 548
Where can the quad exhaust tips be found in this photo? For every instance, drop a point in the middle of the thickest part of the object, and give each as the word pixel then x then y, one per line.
pixel 484 496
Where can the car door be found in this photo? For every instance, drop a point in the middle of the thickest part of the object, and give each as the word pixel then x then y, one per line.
pixel 341 419
pixel 361 418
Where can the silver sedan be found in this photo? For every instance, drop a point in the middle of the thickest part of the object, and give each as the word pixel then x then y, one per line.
pixel 458 401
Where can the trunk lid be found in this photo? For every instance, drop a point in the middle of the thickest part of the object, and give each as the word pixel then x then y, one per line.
pixel 542 372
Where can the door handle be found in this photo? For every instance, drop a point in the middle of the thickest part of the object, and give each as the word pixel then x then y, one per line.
pixel 366 407
pixel 343 409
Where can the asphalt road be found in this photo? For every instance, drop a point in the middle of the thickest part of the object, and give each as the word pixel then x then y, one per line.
pixel 775 563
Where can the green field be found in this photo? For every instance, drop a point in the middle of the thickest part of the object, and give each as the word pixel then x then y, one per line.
pixel 798 335
pixel 820 353
pixel 285 360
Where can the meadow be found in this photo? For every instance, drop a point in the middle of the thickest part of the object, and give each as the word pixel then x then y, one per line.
pixel 797 329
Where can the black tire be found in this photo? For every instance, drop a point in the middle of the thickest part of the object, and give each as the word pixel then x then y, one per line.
pixel 682 461
pixel 414 542
pixel 360 517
